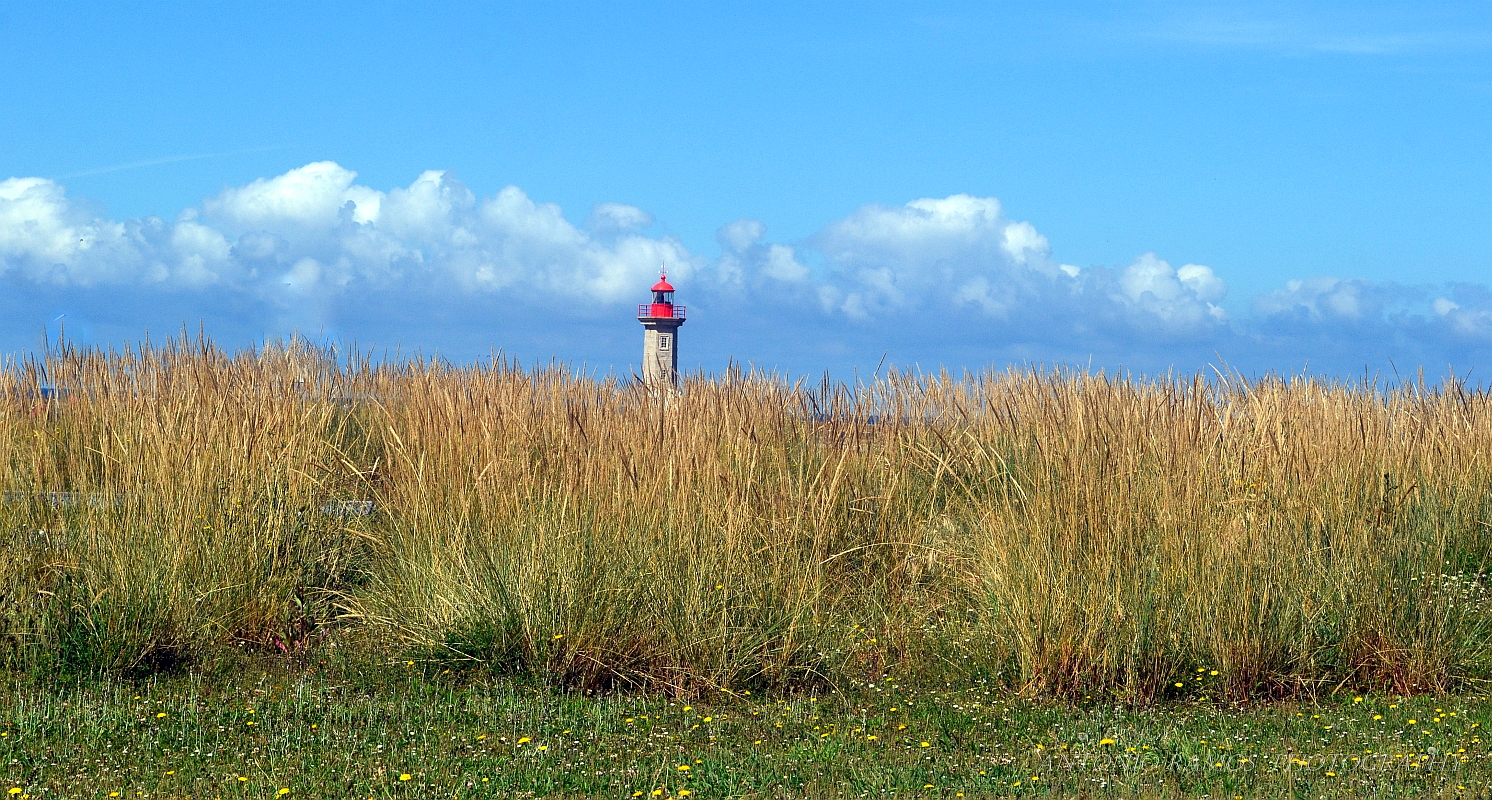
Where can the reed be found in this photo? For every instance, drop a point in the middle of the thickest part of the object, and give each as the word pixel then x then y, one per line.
pixel 1060 531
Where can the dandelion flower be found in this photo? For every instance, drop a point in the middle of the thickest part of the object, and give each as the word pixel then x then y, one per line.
pixel 15 790
pixel 524 740
pixel 406 776
pixel 683 768
pixel 1105 742
pixel 709 719
pixel 925 744
pixel 543 747
pixel 161 715
pixel 685 793
pixel 1179 684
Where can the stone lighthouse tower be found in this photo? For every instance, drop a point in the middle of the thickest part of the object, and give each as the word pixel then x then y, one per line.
pixel 660 339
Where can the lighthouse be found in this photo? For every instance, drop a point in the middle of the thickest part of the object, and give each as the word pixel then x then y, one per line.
pixel 660 338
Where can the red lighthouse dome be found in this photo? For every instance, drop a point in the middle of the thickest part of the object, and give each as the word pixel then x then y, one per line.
pixel 662 306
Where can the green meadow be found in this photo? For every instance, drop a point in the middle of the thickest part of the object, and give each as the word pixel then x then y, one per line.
pixel 297 572
pixel 407 731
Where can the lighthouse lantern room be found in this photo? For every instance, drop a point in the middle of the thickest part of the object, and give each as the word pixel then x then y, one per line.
pixel 660 339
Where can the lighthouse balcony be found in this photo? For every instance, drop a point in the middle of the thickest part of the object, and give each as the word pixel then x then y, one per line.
pixel 660 311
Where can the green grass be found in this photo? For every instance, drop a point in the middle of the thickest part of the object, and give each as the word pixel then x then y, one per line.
pixel 332 734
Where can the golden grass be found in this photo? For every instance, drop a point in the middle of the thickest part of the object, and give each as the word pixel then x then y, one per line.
pixel 1060 531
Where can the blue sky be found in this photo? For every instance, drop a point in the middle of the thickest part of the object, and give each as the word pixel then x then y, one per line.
pixel 1276 186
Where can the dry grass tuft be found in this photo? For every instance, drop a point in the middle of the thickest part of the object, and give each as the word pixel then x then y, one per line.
pixel 1063 532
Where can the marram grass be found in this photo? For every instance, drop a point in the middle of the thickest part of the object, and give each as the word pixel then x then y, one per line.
pixel 1052 531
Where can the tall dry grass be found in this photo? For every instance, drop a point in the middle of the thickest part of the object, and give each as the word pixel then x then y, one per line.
pixel 1059 531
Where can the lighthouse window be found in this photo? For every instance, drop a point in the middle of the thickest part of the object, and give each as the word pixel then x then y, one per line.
pixel 663 342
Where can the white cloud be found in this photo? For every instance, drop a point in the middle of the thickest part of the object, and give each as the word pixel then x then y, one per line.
pixel 745 259
pixel 1184 298
pixel 740 235
pixel 962 251
pixel 782 264
pixel 1467 323
pixel 311 197
pixel 1322 299
pixel 888 259
pixel 313 247
pixel 315 230
pixel 610 219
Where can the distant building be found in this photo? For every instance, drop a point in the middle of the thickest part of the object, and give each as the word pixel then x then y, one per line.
pixel 660 339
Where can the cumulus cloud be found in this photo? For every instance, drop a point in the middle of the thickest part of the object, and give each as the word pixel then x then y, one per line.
pixel 747 260
pixel 313 247
pixel 889 259
pixel 315 230
pixel 1179 298
pixel 963 253
pixel 1471 318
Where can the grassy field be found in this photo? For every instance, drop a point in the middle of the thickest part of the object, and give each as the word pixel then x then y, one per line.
pixel 308 734
pixel 1087 542
pixel 1059 533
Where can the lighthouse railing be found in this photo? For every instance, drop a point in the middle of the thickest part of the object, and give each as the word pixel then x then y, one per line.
pixel 645 311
